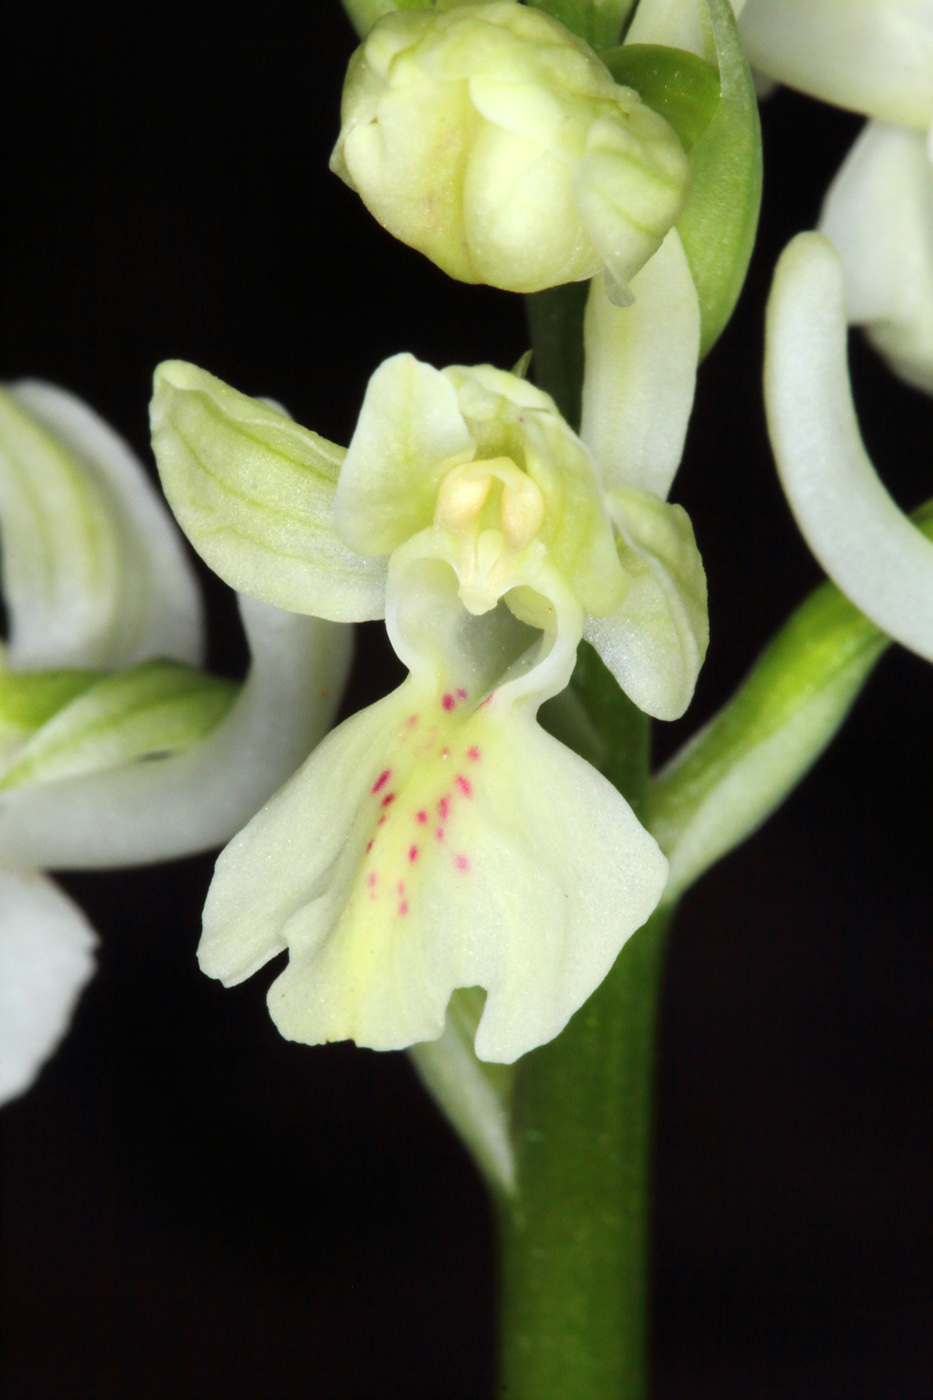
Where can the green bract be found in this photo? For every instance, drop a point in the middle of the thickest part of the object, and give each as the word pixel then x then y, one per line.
pixel 496 142
pixel 722 136
pixel 156 709
pixel 441 839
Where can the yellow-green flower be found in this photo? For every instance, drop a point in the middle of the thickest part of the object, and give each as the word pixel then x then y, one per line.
pixel 494 141
pixel 441 839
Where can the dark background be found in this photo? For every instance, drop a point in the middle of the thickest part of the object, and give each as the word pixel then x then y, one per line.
pixel 193 1207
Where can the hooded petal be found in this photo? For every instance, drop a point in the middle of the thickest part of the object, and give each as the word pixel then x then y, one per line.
pixel 865 543
pixel 409 434
pixel 94 572
pixel 167 807
pixel 254 492
pixel 46 957
pixel 640 375
pixel 656 642
pixel 509 417
pixel 879 216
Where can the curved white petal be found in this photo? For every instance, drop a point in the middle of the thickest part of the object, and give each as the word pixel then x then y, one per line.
pixel 95 571
pixel 864 542
pixel 879 216
pixel 640 375
pixel 190 802
pixel 874 56
pixel 409 434
pixel 46 957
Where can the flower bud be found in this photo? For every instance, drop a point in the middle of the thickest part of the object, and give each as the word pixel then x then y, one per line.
pixel 496 142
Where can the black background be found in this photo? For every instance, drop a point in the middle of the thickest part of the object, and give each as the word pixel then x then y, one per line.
pixel 193 1207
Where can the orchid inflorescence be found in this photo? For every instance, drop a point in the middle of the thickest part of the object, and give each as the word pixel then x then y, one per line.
pixel 442 839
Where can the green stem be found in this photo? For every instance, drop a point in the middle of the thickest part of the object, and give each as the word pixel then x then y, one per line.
pixel 575 1238
pixel 555 320
pixel 574 1235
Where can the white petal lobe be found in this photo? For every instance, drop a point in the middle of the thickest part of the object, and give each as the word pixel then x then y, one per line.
pixel 640 376
pixel 865 543
pixel 46 957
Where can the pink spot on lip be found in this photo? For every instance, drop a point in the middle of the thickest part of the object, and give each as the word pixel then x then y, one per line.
pixel 421 818
pixel 448 701
pixel 412 719
pixel 461 693
pixel 403 907
pixel 401 886
pixel 461 862
pixel 439 833
pixel 381 781
pixel 443 808
pixel 381 819
pixel 412 853
pixel 369 847
pixel 388 799
pixel 372 878
pixel 473 753
pixel 464 785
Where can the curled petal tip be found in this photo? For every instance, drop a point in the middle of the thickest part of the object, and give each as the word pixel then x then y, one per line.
pixel 865 543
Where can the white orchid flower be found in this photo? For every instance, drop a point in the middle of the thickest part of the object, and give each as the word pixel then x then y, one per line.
pixel 113 750
pixel 875 57
pixel 441 839
pixel 865 543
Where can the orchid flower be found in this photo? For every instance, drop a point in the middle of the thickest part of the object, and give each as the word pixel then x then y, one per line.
pixel 498 144
pixel 113 750
pixel 441 839
pixel 865 543
pixel 875 57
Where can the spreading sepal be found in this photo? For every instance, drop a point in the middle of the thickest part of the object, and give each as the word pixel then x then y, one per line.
pixel 254 493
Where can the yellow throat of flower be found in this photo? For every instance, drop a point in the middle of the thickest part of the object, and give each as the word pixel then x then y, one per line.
pixel 494 510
